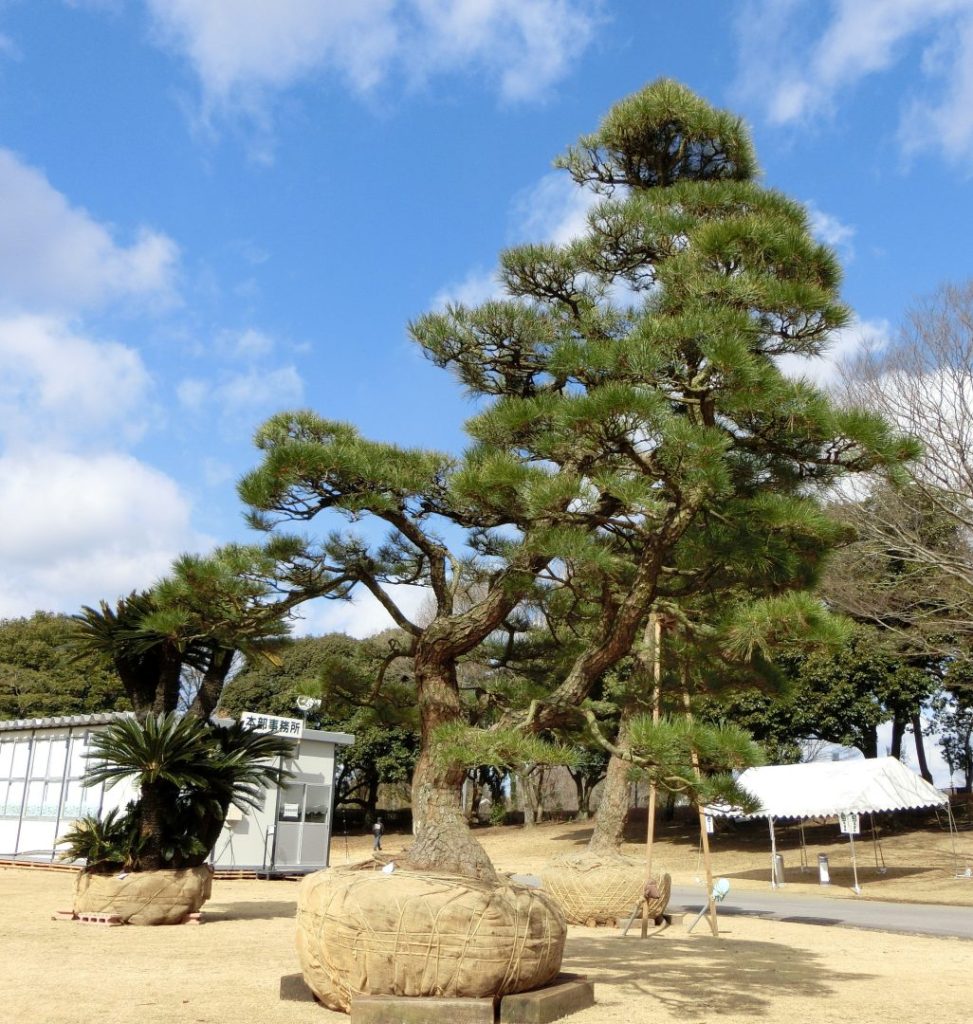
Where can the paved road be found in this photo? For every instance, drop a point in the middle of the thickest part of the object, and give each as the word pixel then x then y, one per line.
pixel 779 905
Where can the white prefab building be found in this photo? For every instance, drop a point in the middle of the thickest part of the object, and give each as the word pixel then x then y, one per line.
pixel 42 764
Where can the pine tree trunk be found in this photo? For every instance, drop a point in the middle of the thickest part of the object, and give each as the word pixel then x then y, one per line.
pixel 898 731
pixel 531 791
pixel 584 790
pixel 525 796
pixel 612 810
pixel 870 743
pixel 920 748
pixel 443 839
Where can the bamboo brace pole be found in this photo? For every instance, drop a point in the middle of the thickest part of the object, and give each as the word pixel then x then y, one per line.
pixel 653 630
pixel 703 834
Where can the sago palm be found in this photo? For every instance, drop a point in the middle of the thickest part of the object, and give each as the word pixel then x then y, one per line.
pixel 188 772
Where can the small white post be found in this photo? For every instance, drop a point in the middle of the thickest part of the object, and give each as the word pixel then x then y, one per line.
pixel 773 854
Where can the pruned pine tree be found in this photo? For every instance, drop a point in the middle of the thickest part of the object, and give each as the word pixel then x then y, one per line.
pixel 196 620
pixel 630 388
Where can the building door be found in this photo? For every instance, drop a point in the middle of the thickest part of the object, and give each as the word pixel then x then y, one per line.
pixel 302 826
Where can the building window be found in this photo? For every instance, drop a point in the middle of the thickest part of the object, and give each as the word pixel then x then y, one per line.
pixel 36 773
pixel 14 762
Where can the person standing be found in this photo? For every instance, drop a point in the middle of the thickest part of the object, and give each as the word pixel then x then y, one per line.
pixel 377 831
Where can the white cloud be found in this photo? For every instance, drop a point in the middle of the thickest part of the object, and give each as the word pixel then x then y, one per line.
pixel 360 617
pixel 217 473
pixel 74 529
pixel 245 394
pixel 526 44
pixel 858 337
pixel 831 231
pixel 55 256
pixel 554 209
pixel 78 523
pixel 248 344
pixel 240 52
pixel 259 389
pixel 798 71
pixel 478 286
pixel 948 122
pixel 57 385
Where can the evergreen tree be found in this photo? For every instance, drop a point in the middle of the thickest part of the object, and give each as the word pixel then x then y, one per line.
pixel 173 647
pixel 365 687
pixel 631 394
pixel 40 678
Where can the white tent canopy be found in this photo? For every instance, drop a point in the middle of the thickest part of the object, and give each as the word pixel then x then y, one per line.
pixel 825 789
pixel 821 789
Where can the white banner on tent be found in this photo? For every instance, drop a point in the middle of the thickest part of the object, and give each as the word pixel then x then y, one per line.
pixel 849 823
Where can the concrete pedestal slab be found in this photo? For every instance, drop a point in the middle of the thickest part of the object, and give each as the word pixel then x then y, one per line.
pixel 567 994
pixel 415 1010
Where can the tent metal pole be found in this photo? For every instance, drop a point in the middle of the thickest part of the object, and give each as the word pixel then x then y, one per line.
pixel 803 849
pixel 856 888
pixel 876 848
pixel 773 853
pixel 951 821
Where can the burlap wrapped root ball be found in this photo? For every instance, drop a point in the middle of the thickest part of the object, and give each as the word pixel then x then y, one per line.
pixel 594 888
pixel 144 897
pixel 421 934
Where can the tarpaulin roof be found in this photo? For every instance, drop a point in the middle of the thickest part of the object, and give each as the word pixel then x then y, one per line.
pixel 821 789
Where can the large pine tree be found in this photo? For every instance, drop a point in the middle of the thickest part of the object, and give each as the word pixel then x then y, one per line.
pixel 632 404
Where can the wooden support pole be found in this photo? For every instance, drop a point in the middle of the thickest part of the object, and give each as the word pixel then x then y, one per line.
pixel 653 633
pixel 703 834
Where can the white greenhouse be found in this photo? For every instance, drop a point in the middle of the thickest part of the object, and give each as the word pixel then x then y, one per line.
pixel 42 763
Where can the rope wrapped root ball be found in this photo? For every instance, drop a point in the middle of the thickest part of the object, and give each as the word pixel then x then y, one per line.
pixel 144 897
pixel 422 934
pixel 595 889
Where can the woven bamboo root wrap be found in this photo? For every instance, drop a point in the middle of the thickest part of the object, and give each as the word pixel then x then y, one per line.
pixel 144 897
pixel 412 933
pixel 597 888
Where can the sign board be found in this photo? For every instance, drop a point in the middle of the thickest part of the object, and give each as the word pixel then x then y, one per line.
pixel 708 818
pixel 849 823
pixel 273 724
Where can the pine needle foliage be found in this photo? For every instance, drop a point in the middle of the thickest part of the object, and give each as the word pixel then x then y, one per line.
pixel 634 427
pixel 508 749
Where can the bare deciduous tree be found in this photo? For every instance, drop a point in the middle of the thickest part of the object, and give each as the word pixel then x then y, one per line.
pixel 911 568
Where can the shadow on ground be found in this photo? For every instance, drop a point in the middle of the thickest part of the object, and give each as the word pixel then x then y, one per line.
pixel 247 910
pixel 841 876
pixel 576 838
pixel 695 977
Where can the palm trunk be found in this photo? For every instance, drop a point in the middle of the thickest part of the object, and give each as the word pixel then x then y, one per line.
pixel 207 698
pixel 155 805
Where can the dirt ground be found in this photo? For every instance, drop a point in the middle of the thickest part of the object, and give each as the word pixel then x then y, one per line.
pixel 240 965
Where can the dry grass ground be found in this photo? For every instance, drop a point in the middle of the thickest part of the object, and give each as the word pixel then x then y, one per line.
pixel 229 970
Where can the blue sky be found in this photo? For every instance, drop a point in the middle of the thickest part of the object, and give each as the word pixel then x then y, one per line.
pixel 216 209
